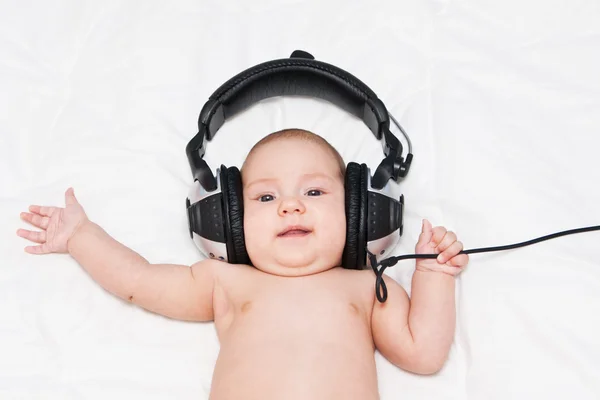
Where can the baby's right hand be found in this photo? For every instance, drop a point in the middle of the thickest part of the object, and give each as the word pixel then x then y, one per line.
pixel 58 225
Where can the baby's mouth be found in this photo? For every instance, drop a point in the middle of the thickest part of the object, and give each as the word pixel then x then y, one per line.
pixel 294 231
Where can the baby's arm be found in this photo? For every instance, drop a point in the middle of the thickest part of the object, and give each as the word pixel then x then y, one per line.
pixel 416 334
pixel 175 291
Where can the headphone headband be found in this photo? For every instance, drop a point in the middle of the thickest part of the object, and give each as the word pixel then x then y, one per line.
pixel 300 74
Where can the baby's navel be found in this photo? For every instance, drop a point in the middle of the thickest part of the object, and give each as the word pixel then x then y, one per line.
pixel 246 306
pixel 354 308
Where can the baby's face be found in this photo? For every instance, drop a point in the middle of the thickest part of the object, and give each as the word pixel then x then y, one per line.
pixel 293 184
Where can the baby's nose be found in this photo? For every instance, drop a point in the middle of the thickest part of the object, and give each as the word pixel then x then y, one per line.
pixel 290 206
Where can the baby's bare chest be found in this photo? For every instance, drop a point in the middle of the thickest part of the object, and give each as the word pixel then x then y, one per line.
pixel 317 308
pixel 289 338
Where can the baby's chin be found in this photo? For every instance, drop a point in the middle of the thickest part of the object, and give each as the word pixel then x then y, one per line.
pixel 289 268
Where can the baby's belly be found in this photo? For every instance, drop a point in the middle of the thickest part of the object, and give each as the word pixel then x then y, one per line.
pixel 296 360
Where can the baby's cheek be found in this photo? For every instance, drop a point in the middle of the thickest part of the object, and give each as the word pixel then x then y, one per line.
pixel 251 216
pixel 335 226
pixel 257 230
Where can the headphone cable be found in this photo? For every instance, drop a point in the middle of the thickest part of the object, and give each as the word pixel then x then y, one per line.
pixel 381 289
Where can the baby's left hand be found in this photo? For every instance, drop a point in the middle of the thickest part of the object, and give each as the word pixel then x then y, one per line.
pixel 440 241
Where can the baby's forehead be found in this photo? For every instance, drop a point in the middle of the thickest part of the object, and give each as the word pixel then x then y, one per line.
pixel 292 152
pixel 288 150
pixel 297 146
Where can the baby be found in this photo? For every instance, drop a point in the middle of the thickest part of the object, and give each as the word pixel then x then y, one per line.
pixel 296 325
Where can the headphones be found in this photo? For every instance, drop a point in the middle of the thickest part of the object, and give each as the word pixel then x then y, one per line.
pixel 374 217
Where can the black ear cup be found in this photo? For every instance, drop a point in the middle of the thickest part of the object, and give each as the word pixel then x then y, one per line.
pixel 355 184
pixel 233 209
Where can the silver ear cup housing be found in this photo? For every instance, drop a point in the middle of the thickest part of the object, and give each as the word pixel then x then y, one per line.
pixel 384 219
pixel 205 220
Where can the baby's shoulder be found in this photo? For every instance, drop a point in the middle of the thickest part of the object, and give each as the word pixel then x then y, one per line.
pixel 227 273
pixel 359 281
pixel 357 275
pixel 355 286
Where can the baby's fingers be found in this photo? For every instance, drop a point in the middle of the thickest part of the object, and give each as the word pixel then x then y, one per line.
pixel 38 237
pixel 36 220
pixel 41 249
pixel 459 261
pixel 450 250
pixel 445 241
pixel 43 210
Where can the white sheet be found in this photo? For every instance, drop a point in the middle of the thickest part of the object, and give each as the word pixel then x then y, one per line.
pixel 500 100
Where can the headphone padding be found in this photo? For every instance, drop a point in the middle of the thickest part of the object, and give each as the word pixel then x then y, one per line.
pixel 355 184
pixel 231 186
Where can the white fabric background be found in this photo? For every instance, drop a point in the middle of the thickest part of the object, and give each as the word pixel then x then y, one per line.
pixel 500 100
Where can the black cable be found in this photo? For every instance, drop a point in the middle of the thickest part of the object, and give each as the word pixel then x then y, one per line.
pixel 381 289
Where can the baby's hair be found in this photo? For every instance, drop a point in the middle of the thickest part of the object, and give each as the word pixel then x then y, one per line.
pixel 295 133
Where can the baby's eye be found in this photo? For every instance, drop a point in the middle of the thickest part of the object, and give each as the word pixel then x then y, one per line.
pixel 314 192
pixel 265 197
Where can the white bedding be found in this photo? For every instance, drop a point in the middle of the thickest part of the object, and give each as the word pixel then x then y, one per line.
pixel 500 100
